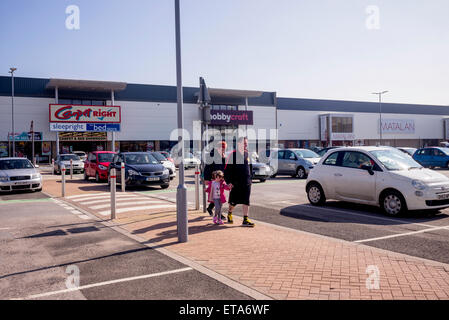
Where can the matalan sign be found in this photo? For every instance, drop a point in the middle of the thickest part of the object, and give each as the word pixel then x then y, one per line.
pixel 84 114
pixel 398 126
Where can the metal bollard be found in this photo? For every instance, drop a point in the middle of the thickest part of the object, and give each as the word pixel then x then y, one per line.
pixel 122 173
pixel 71 169
pixel 63 169
pixel 113 179
pixel 53 165
pixel 197 188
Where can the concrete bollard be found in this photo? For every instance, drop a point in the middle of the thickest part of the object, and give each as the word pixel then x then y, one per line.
pixel 123 179
pixel 63 169
pixel 113 179
pixel 71 169
pixel 197 188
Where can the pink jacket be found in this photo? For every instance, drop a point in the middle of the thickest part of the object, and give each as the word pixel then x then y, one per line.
pixel 223 187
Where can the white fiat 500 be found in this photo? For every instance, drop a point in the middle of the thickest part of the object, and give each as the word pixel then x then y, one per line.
pixel 380 176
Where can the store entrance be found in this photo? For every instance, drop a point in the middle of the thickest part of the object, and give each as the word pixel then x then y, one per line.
pixel 86 146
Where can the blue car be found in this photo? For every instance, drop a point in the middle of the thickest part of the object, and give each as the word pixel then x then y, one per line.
pixel 141 169
pixel 432 157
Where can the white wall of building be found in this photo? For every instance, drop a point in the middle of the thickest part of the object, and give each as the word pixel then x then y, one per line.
pixel 25 110
pixel 304 125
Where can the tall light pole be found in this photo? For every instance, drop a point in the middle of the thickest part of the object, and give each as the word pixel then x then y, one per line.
pixel 181 195
pixel 380 112
pixel 11 71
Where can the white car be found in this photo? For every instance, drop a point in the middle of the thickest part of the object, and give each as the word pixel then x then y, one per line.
pixel 81 154
pixel 379 176
pixel 166 163
pixel 19 174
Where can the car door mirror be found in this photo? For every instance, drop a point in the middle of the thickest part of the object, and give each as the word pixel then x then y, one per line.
pixel 368 168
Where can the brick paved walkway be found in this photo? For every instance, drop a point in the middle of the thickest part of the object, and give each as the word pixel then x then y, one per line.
pixel 289 264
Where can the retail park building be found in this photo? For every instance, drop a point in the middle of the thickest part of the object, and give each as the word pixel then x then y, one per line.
pixel 81 115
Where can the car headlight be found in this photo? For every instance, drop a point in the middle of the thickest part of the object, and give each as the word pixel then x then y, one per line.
pixel 166 172
pixel 2 179
pixel 102 167
pixel 36 176
pixel 133 173
pixel 419 185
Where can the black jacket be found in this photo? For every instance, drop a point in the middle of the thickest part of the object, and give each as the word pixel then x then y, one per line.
pixel 236 172
pixel 210 168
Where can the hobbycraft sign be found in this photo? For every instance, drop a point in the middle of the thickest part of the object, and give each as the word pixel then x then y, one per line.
pixel 231 117
pixel 84 114
pixel 398 126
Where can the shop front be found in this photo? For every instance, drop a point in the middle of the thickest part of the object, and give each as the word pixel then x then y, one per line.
pixel 336 130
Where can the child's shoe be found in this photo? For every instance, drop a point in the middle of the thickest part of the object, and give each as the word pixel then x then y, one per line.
pixel 220 222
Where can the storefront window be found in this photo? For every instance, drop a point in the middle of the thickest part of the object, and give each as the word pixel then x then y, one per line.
pixel 342 124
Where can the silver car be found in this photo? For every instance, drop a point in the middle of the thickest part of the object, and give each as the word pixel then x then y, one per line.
pixel 19 174
pixel 64 159
pixel 293 162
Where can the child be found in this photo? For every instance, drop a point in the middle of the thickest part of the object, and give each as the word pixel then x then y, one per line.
pixel 216 196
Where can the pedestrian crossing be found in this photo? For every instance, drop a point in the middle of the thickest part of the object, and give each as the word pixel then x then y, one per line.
pixel 125 202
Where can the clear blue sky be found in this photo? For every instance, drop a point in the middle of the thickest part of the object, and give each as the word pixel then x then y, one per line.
pixel 300 48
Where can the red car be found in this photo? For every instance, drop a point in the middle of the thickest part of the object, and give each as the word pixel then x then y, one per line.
pixel 167 155
pixel 97 165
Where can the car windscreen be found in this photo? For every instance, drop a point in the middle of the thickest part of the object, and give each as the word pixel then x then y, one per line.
pixel 159 156
pixel 306 154
pixel 69 157
pixel 445 150
pixel 140 158
pixel 105 157
pixel 15 164
pixel 395 160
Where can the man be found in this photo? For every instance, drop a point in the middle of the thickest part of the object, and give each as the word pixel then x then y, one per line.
pixel 215 166
pixel 238 177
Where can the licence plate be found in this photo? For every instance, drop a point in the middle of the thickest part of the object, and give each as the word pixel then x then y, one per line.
pixel 443 196
pixel 21 183
pixel 153 179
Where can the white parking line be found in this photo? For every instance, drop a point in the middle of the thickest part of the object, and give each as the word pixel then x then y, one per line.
pixel 108 200
pixel 105 283
pixel 401 234
pixel 108 212
pixel 118 195
pixel 370 216
pixel 124 204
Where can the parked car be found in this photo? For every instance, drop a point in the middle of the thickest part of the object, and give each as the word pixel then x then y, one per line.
pixel 97 165
pixel 432 157
pixel 323 151
pixel 190 161
pixel 81 154
pixel 260 171
pixel 167 155
pixel 294 162
pixel 19 174
pixel 64 159
pixel 409 151
pixel 378 176
pixel 141 169
pixel 167 164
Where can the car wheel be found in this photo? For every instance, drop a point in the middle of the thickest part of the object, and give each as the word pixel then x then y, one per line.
pixel 315 194
pixel 301 173
pixel 165 186
pixel 97 177
pixel 393 203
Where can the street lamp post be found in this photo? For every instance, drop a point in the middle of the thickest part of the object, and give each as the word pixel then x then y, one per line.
pixel 380 112
pixel 181 196
pixel 11 70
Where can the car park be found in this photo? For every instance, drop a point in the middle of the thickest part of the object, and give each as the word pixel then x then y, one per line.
pixel 141 169
pixel 407 150
pixel 97 164
pixel 64 160
pixel 379 176
pixel 81 154
pixel 19 174
pixel 293 162
pixel 432 157
pixel 166 163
